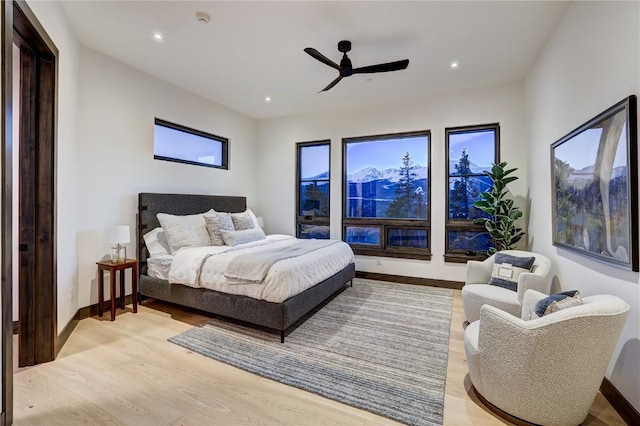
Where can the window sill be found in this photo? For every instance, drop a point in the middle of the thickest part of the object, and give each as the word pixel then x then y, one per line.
pixel 463 258
pixel 394 254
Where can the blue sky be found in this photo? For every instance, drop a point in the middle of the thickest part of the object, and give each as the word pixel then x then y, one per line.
pixel 173 143
pixel 314 161
pixel 582 149
pixel 479 146
pixel 386 154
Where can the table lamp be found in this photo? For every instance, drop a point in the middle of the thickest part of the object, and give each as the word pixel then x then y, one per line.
pixel 118 235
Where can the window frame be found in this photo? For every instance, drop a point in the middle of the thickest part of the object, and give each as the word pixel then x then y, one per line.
pixel 223 141
pixel 384 249
pixel 311 220
pixel 464 225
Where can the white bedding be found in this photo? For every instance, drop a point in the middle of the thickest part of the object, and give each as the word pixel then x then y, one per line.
pixel 205 267
pixel 158 266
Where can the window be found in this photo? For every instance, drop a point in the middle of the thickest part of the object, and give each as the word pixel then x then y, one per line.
pixel 386 195
pixel 312 206
pixel 173 142
pixel 470 151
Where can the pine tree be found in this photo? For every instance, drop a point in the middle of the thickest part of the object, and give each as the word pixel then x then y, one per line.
pixel 459 197
pixel 407 201
pixel 316 200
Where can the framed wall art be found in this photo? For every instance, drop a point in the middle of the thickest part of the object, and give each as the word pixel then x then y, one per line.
pixel 595 187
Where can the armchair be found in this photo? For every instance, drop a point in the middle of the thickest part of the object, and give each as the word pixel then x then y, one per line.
pixel 477 291
pixel 547 370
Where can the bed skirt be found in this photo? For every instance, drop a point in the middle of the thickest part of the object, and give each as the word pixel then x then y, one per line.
pixel 278 316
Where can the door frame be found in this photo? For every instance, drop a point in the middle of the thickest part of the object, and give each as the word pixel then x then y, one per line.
pixel 6 224
pixel 37 159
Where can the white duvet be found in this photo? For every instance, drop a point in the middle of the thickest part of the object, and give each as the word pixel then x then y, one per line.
pixel 205 267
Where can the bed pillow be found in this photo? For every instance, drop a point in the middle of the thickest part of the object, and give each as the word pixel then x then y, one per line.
pixel 555 303
pixel 156 242
pixel 507 269
pixel 216 222
pixel 185 231
pixel 233 238
pixel 244 220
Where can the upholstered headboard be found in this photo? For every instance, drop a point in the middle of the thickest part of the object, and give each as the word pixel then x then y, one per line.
pixel 150 204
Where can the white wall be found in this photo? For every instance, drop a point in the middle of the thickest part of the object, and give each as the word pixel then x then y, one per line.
pixel 589 64
pixel 55 24
pixel 276 165
pixel 118 105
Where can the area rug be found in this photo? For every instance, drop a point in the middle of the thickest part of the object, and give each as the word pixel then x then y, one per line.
pixel 378 346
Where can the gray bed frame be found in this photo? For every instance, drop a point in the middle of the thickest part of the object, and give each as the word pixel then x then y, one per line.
pixel 277 316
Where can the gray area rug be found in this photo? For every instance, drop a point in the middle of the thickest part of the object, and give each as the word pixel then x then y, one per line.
pixel 378 346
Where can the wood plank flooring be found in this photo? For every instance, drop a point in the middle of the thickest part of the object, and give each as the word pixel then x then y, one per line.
pixel 126 373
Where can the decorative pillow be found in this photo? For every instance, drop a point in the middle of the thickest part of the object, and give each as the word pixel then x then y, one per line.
pixel 507 269
pixel 555 303
pixel 244 220
pixel 185 231
pixel 233 238
pixel 216 222
pixel 156 242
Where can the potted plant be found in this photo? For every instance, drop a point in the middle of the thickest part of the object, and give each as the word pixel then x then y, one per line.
pixel 502 213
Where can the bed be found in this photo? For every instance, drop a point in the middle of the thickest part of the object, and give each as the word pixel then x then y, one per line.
pixel 278 316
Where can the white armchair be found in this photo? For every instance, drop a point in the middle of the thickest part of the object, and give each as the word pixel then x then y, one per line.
pixel 477 291
pixel 547 370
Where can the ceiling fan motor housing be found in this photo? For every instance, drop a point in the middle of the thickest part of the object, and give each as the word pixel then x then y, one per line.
pixel 346 69
pixel 344 46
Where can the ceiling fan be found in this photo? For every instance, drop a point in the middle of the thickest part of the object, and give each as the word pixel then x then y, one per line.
pixel 346 69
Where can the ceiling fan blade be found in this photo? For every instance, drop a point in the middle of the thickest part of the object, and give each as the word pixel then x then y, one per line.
pixel 333 83
pixel 320 57
pixel 389 66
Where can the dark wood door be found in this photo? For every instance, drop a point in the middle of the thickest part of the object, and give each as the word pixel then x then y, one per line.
pixel 36 153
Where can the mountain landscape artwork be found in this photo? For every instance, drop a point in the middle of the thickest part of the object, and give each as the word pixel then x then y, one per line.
pixel 593 188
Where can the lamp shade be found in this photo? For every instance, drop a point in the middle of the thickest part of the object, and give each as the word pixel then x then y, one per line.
pixel 118 234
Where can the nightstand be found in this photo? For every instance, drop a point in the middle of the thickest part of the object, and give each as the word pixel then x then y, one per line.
pixel 112 267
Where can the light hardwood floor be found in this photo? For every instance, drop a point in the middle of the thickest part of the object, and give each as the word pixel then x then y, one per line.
pixel 125 372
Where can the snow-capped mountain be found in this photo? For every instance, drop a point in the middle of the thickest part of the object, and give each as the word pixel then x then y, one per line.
pixel 585 176
pixel 323 175
pixel 474 167
pixel 369 174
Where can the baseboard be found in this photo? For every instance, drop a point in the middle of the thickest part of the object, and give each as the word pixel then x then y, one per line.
pixel 92 310
pixel 456 285
pixel 627 411
pixel 64 335
pixel 82 313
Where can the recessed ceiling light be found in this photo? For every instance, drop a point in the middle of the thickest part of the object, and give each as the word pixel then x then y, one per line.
pixel 454 65
pixel 158 36
pixel 267 99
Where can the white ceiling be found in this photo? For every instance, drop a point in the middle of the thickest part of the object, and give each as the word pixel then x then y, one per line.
pixel 253 49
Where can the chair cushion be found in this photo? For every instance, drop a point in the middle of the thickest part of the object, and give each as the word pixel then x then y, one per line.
pixel 507 269
pixel 554 303
pixel 476 295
